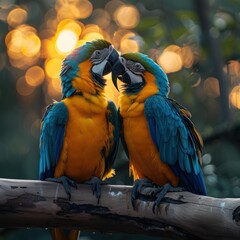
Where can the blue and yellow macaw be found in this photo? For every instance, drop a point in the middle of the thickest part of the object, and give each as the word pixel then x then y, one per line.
pixel 79 136
pixel 162 143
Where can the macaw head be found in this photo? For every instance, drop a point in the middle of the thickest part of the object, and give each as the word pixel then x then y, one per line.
pixel 84 68
pixel 140 74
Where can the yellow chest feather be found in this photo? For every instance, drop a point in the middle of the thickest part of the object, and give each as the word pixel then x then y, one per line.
pixel 85 137
pixel 145 161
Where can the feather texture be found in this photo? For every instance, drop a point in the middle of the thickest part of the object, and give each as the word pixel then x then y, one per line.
pixel 175 137
pixel 51 139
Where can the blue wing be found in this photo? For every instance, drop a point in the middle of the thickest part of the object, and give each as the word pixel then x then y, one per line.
pixel 51 138
pixel 112 118
pixel 177 140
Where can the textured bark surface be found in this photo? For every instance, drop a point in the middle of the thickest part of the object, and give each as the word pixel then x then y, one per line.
pixel 29 203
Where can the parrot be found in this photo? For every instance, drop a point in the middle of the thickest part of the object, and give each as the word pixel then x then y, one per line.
pixel 162 143
pixel 79 134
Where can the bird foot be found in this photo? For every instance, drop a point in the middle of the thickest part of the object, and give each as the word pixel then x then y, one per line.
pixel 138 185
pixel 160 191
pixel 236 215
pixel 67 184
pixel 96 186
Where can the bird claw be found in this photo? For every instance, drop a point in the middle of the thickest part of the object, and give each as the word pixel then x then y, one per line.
pixel 96 186
pixel 67 184
pixel 138 185
pixel 160 192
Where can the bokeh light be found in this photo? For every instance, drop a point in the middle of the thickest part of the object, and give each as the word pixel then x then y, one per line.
pixel 53 67
pixel 92 32
pixel 16 17
pixel 171 60
pixel 23 46
pixel 232 68
pixel 92 36
pixel 113 5
pixel 75 9
pixel 234 96
pixel 34 76
pixel 129 43
pixel 23 88
pixel 67 34
pixel 211 87
pixel 127 16
pixel 66 41
pixel 174 58
pixel 187 56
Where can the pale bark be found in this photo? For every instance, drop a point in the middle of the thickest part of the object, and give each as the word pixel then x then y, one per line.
pixel 29 203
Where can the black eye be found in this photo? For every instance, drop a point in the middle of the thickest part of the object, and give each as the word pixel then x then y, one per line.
pixel 98 53
pixel 138 66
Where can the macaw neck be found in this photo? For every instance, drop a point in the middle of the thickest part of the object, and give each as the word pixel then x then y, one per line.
pixel 130 106
pixel 87 103
pixel 88 91
pixel 133 104
pixel 86 84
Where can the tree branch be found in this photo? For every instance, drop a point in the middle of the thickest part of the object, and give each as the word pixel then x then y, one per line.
pixel 28 203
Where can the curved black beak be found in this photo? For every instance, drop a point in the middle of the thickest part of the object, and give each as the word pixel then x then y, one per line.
pixel 110 62
pixel 113 57
pixel 119 71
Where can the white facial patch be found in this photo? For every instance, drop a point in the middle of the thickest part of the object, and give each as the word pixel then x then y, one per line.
pixel 134 77
pixel 98 68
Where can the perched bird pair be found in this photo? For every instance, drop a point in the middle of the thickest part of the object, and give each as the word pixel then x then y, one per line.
pixel 79 136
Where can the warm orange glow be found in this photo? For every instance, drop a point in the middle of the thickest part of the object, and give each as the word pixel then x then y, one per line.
pixel 112 6
pixel 118 35
pixel 110 90
pixel 234 96
pixel 48 49
pixel 34 76
pixel 233 70
pixel 127 16
pixel 129 43
pixel 23 46
pixel 91 32
pixel 187 56
pixel 67 34
pixel 53 67
pixel 31 44
pixel 170 61
pixel 14 41
pixel 75 9
pixel 16 17
pixel 23 88
pixel 54 89
pixel 57 85
pixel 173 58
pixel 211 87
pixel 93 36
pixel 69 24
pixel 66 41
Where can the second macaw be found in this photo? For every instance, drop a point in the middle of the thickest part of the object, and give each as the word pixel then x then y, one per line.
pixel 162 143
pixel 79 136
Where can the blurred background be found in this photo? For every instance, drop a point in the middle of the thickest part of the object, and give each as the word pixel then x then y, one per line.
pixel 196 42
